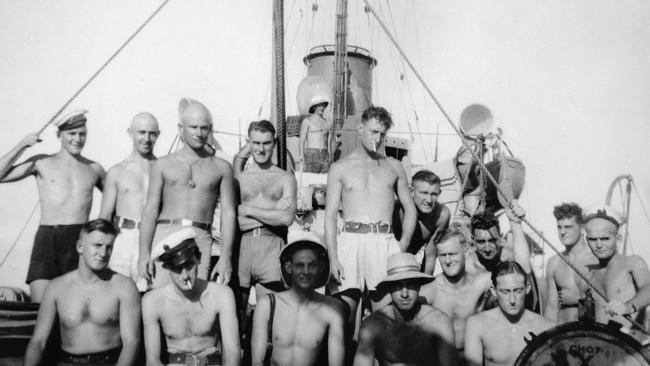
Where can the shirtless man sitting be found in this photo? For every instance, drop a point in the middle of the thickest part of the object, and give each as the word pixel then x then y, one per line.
pixel 98 310
pixel 433 218
pixel 405 332
pixel 364 183
pixel 184 187
pixel 268 207
pixel 196 316
pixel 302 322
pixel 314 135
pixel 496 337
pixel 65 184
pixel 125 193
pixel 624 279
pixel 561 281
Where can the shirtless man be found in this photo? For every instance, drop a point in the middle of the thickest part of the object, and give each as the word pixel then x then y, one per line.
pixel 433 218
pixel 624 279
pixel 458 293
pixel 314 134
pixel 268 206
pixel 496 337
pixel 301 320
pixel 125 193
pixel 183 191
pixel 194 314
pixel 405 332
pixel 65 184
pixel 365 183
pixel 98 310
pixel 561 281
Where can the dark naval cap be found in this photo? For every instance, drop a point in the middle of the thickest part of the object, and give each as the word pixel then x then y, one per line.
pixel 176 249
pixel 72 120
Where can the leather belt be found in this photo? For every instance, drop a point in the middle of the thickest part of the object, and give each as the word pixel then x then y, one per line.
pixel 109 357
pixel 124 223
pixel 207 226
pixel 194 359
pixel 259 231
pixel 362 228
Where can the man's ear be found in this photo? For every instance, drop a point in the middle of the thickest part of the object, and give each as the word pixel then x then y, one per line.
pixel 528 287
pixel 287 267
pixel 79 246
pixel 493 291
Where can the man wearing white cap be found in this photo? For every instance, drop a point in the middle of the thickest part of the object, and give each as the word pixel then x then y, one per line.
pixel 65 182
pixel 197 317
pixel 625 279
pixel 125 193
pixel 292 327
pixel 184 188
pixel 406 332
pixel 314 134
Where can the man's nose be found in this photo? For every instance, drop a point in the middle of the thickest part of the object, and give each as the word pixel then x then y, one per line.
pixel 405 292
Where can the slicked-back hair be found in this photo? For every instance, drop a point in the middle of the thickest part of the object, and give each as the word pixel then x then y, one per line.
pixel 100 225
pixel 262 126
pixel 380 114
pixel 426 176
pixel 567 211
pixel 485 221
pixel 451 234
pixel 508 267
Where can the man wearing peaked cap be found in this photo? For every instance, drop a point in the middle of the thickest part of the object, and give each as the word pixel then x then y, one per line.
pixel 190 339
pixel 184 188
pixel 300 317
pixel 624 279
pixel 65 182
pixel 314 137
pixel 406 331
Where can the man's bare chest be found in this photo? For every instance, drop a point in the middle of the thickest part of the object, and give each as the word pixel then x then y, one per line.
pixel 266 187
pixel 83 306
pixel 71 176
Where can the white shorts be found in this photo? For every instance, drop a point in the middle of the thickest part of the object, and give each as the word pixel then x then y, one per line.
pixel 364 258
pixel 124 259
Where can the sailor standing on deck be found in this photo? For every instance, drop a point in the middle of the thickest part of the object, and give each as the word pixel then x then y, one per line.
pixel 183 191
pixel 314 134
pixel 125 193
pixel 198 318
pixel 364 183
pixel 65 182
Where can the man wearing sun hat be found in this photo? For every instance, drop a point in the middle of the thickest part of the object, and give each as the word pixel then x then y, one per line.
pixel 212 320
pixel 314 135
pixel 625 279
pixel 287 325
pixel 65 182
pixel 407 331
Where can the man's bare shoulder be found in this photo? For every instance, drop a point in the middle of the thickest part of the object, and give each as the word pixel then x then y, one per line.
pixel 537 322
pixel 329 306
pixel 122 283
pixel 482 279
pixel 217 291
pixel 432 315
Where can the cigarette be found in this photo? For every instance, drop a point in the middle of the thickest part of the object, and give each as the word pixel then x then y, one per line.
pixel 374 147
pixel 188 283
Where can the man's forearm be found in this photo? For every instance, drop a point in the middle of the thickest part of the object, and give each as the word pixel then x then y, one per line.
pixel 273 217
pixel 147 229
pixel 408 227
pixel 248 223
pixel 228 233
pixel 129 353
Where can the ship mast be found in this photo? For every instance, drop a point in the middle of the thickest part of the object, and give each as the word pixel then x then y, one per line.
pixel 340 73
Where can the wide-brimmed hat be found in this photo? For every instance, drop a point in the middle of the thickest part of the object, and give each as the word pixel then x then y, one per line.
pixel 604 212
pixel 403 266
pixel 302 243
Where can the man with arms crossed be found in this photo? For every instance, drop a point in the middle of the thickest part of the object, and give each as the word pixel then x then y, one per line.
pixel 561 281
pixel 125 193
pixel 624 279
pixel 314 134
pixel 65 184
pixel 98 310
pixel 364 183
pixel 405 332
pixel 183 191
pixel 268 206
pixel 496 337
pixel 194 314
pixel 433 218
pixel 302 321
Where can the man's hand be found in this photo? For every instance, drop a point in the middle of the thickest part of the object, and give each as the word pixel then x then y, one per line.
pixel 223 269
pixel 146 269
pixel 336 269
pixel 30 140
pixel 283 203
pixel 245 151
pixel 515 212
pixel 568 297
pixel 616 307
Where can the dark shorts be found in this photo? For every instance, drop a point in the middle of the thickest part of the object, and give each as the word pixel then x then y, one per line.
pixel 259 258
pixel 104 358
pixel 54 252
pixel 316 161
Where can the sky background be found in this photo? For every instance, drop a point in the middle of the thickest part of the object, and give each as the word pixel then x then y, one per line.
pixel 567 80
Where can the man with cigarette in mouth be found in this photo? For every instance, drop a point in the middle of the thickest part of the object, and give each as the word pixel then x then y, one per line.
pixel 194 315
pixel 365 183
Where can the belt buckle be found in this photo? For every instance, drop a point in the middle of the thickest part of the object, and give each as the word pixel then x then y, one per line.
pixel 186 222
pixel 374 228
pixel 257 231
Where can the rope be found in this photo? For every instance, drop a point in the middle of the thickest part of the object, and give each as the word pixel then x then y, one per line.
pixel 488 174
pixel 20 234
pixel 645 212
pixel 278 65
